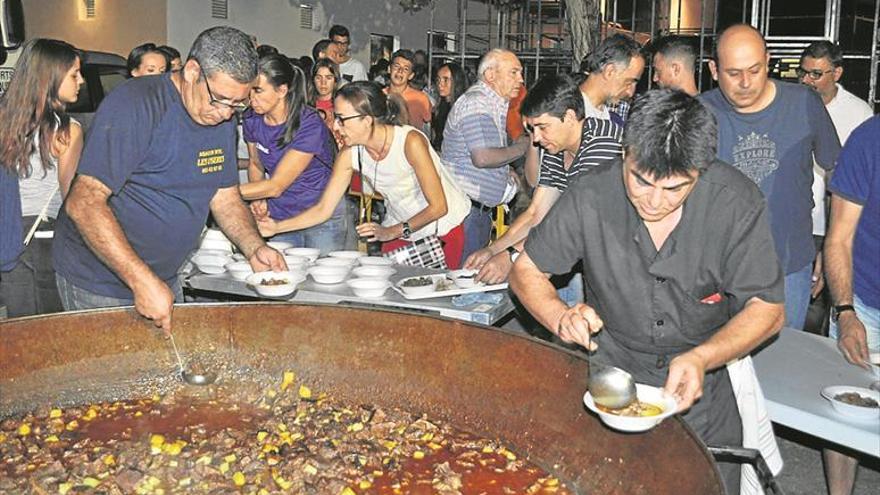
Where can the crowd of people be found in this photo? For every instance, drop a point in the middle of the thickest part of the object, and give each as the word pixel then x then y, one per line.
pixel 698 211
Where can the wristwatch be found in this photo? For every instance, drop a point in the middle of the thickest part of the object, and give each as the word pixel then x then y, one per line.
pixel 836 310
pixel 406 231
pixel 514 254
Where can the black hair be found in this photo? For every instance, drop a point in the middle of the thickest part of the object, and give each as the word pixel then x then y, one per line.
pixel 305 62
pixel 824 49
pixel 669 133
pixel 264 50
pixel 732 26
pixel 405 54
pixel 617 49
pixel 680 48
pixel 170 52
pixel 553 95
pixel 368 99
pixel 338 30
pixel 325 63
pixel 441 110
pixel 320 46
pixel 136 56
pixel 279 71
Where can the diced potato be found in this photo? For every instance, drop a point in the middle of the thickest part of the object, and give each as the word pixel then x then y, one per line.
pixel 309 469
pixel 74 424
pixel 287 379
pixel 305 392
pixel 55 413
pixel 224 468
pixel 261 436
pixel 356 427
pixel 52 439
pixel 24 430
pixel 365 485
pixel 63 488
pixel 230 458
pixel 347 491
pixel 418 455
pixel 238 478
pixel 109 460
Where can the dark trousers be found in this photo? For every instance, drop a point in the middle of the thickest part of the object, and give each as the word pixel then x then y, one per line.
pixel 477 229
pixel 29 288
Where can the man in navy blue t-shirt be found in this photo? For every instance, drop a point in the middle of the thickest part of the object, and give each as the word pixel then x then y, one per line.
pixel 159 157
pixel 772 131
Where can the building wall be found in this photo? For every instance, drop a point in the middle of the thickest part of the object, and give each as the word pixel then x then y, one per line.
pixel 118 26
pixel 277 22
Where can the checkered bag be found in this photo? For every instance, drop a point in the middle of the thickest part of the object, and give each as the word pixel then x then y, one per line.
pixel 426 252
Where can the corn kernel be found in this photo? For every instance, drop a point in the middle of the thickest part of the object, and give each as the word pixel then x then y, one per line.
pixel 356 427
pixel 157 440
pixel 109 460
pixel 238 478
pixel 24 430
pixel 309 469
pixel 287 379
pixel 418 455
pixel 305 392
pixel 74 424
pixel 261 435
pixel 52 439
pixel 434 446
pixel 347 491
pixel 365 485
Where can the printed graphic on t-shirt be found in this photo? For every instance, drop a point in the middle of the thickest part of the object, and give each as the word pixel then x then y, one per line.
pixel 755 156
pixel 211 161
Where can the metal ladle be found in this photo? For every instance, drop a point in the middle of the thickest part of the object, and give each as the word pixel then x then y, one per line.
pixel 189 376
pixel 610 387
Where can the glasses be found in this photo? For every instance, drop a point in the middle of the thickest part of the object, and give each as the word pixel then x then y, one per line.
pixel 815 74
pixel 235 107
pixel 339 119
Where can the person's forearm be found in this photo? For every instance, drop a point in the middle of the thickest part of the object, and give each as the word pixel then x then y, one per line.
pixel 315 215
pixel 536 292
pixel 88 209
pixel 758 321
pixel 428 215
pixel 498 157
pixel 255 172
pixel 532 166
pixel 236 221
pixel 261 189
pixel 838 270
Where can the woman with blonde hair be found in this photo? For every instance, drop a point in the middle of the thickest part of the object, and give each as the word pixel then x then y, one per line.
pixel 40 145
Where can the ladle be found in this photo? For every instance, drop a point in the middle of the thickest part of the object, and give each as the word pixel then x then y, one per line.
pixel 610 387
pixel 187 375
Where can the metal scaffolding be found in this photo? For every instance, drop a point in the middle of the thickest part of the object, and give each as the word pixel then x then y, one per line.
pixel 538 32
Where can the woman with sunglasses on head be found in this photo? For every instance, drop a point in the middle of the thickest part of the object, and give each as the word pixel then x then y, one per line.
pixel 421 197
pixel 289 141
pixel 40 147
pixel 451 83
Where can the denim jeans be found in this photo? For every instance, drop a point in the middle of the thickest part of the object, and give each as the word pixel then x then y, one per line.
pixel 797 296
pixel 328 236
pixel 477 229
pixel 870 317
pixel 76 298
pixel 29 288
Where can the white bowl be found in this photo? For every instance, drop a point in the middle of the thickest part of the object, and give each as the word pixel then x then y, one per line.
pixel 292 280
pixel 210 263
pixel 310 253
pixel 346 254
pixel 419 290
pixel 296 262
pixel 369 288
pixel 464 279
pixel 279 245
pixel 239 270
pixel 218 244
pixel 211 252
pixel 850 410
pixel 328 274
pixel 346 262
pixel 383 272
pixel 215 234
pixel 375 261
pixel 645 393
pixel 239 257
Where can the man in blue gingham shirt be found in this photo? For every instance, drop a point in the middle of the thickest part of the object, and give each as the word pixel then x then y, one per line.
pixel 475 144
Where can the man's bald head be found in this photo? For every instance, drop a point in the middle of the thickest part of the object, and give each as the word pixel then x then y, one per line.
pixel 741 68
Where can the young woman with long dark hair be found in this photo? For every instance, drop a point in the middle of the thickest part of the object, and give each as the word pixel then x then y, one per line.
pixel 421 197
pixel 40 147
pixel 325 78
pixel 288 140
pixel 451 83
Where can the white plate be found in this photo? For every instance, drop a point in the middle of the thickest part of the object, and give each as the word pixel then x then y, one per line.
pixel 375 261
pixel 464 279
pixel 369 288
pixel 429 292
pixel 645 393
pixel 293 279
pixel 310 253
pixel 374 271
pixel 328 274
pixel 347 254
pixel 849 410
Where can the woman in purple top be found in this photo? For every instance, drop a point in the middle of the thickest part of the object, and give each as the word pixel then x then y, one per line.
pixel 288 141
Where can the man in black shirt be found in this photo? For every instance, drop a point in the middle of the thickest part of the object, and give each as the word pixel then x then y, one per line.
pixel 679 266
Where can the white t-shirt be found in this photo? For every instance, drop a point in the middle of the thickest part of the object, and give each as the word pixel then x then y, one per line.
pixel 352 70
pixel 847 111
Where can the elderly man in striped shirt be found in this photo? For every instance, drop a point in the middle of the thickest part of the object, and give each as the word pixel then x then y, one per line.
pixel 554 115
pixel 475 144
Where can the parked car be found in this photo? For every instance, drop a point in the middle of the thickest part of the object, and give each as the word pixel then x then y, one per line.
pixel 102 72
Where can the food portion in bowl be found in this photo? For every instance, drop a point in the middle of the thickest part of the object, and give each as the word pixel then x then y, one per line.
pixel 855 399
pixel 652 406
pixel 275 284
pixel 417 282
pixel 855 402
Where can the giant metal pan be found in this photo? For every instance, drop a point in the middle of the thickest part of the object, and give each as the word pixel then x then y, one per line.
pixel 494 383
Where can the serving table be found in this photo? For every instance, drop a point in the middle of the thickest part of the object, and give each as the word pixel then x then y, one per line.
pixel 794 369
pixel 311 292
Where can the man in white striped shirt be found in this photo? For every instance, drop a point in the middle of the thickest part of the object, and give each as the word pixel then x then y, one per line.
pixel 553 111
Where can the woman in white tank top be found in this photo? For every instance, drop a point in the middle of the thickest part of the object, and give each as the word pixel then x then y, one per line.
pixel 421 197
pixel 41 145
